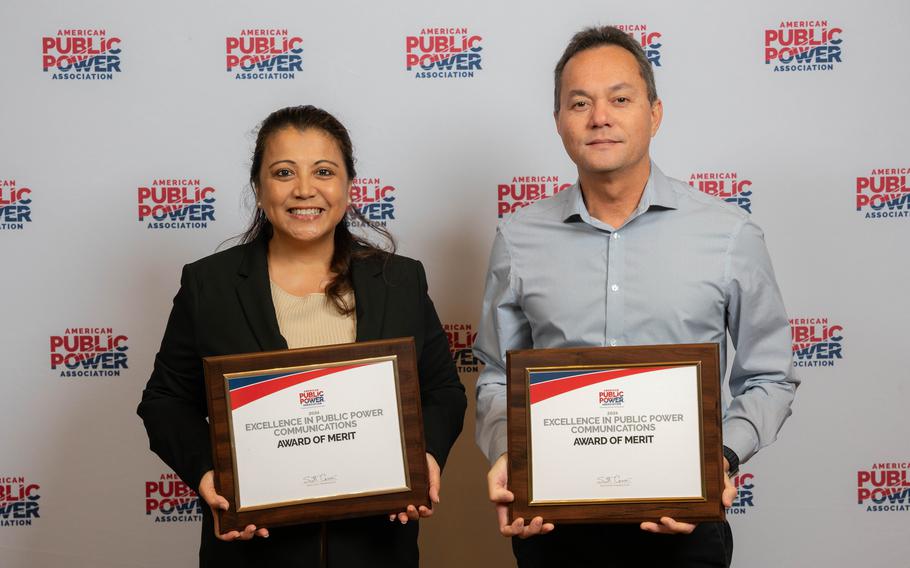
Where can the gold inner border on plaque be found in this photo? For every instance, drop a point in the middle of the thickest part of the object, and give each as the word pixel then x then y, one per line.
pixel 295 369
pixel 701 435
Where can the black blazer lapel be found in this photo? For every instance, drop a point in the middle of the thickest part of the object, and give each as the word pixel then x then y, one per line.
pixel 255 296
pixel 369 297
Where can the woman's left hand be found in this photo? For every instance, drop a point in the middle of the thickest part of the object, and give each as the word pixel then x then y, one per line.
pixel 413 513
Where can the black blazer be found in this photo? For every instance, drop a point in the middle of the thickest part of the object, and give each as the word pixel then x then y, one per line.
pixel 224 306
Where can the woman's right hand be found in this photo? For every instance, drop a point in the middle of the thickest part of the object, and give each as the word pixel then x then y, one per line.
pixel 218 503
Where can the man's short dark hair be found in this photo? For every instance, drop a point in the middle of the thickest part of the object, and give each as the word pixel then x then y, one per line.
pixel 590 38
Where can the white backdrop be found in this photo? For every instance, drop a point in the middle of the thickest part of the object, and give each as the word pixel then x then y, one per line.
pixel 160 105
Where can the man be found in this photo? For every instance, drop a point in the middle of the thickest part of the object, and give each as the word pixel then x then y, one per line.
pixel 629 256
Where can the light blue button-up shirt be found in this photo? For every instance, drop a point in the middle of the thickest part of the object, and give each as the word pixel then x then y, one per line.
pixel 683 268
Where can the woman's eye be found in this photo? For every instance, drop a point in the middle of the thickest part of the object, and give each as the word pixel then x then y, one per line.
pixel 284 172
pixel 324 172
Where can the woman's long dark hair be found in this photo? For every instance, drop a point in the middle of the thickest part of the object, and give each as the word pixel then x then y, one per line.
pixel 347 245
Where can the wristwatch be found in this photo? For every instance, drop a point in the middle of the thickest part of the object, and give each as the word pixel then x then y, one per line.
pixel 733 459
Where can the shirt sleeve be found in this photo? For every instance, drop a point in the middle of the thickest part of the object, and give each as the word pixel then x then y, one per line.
pixel 762 382
pixel 503 326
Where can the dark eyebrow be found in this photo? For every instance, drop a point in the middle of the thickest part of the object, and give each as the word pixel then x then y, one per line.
pixel 279 161
pixel 314 163
pixel 612 88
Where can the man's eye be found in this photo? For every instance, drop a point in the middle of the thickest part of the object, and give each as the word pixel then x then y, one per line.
pixel 579 104
pixel 622 100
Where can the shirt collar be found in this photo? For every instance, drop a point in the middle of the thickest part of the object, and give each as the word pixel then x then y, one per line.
pixel 658 194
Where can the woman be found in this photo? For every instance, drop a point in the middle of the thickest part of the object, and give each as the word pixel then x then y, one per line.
pixel 299 278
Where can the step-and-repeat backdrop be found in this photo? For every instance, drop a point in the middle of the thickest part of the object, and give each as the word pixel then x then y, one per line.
pixel 125 138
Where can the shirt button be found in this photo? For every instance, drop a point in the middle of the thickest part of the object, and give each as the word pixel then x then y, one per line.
pixel 615 235
pixel 614 287
pixel 612 343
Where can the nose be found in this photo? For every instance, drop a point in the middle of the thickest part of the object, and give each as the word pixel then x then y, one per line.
pixel 304 188
pixel 601 114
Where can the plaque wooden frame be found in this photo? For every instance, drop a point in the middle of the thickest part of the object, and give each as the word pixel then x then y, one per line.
pixel 332 508
pixel 704 355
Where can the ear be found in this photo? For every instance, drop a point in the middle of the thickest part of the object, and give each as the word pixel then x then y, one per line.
pixel 657 115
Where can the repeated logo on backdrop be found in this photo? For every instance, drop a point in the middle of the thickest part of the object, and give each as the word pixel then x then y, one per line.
pixel 170 500
pixel 15 205
pixel 183 203
pixel 650 40
pixel 816 342
pixel 81 54
pixel 89 352
pixel 268 53
pixel 19 504
pixel 884 194
pixel 374 199
pixel 444 53
pixel 522 191
pixel 804 45
pixel 728 186
pixel 744 500
pixel 461 338
pixel 884 487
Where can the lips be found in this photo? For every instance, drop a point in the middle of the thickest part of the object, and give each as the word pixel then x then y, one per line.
pixel 602 142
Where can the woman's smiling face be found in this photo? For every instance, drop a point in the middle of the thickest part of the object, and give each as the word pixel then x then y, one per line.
pixel 303 185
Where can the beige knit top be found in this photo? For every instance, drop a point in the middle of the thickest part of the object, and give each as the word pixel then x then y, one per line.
pixel 307 321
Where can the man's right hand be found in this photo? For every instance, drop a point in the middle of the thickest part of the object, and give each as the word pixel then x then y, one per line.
pixel 218 503
pixel 497 483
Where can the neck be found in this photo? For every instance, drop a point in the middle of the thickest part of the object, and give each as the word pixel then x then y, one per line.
pixel 611 197
pixel 312 255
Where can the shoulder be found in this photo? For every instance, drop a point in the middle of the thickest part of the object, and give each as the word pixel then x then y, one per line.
pixel 387 264
pixel 707 211
pixel 388 271
pixel 551 209
pixel 225 261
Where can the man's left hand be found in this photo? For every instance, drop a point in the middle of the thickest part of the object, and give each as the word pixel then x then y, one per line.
pixel 670 526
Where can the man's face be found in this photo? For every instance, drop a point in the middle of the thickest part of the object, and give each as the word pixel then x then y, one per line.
pixel 605 119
